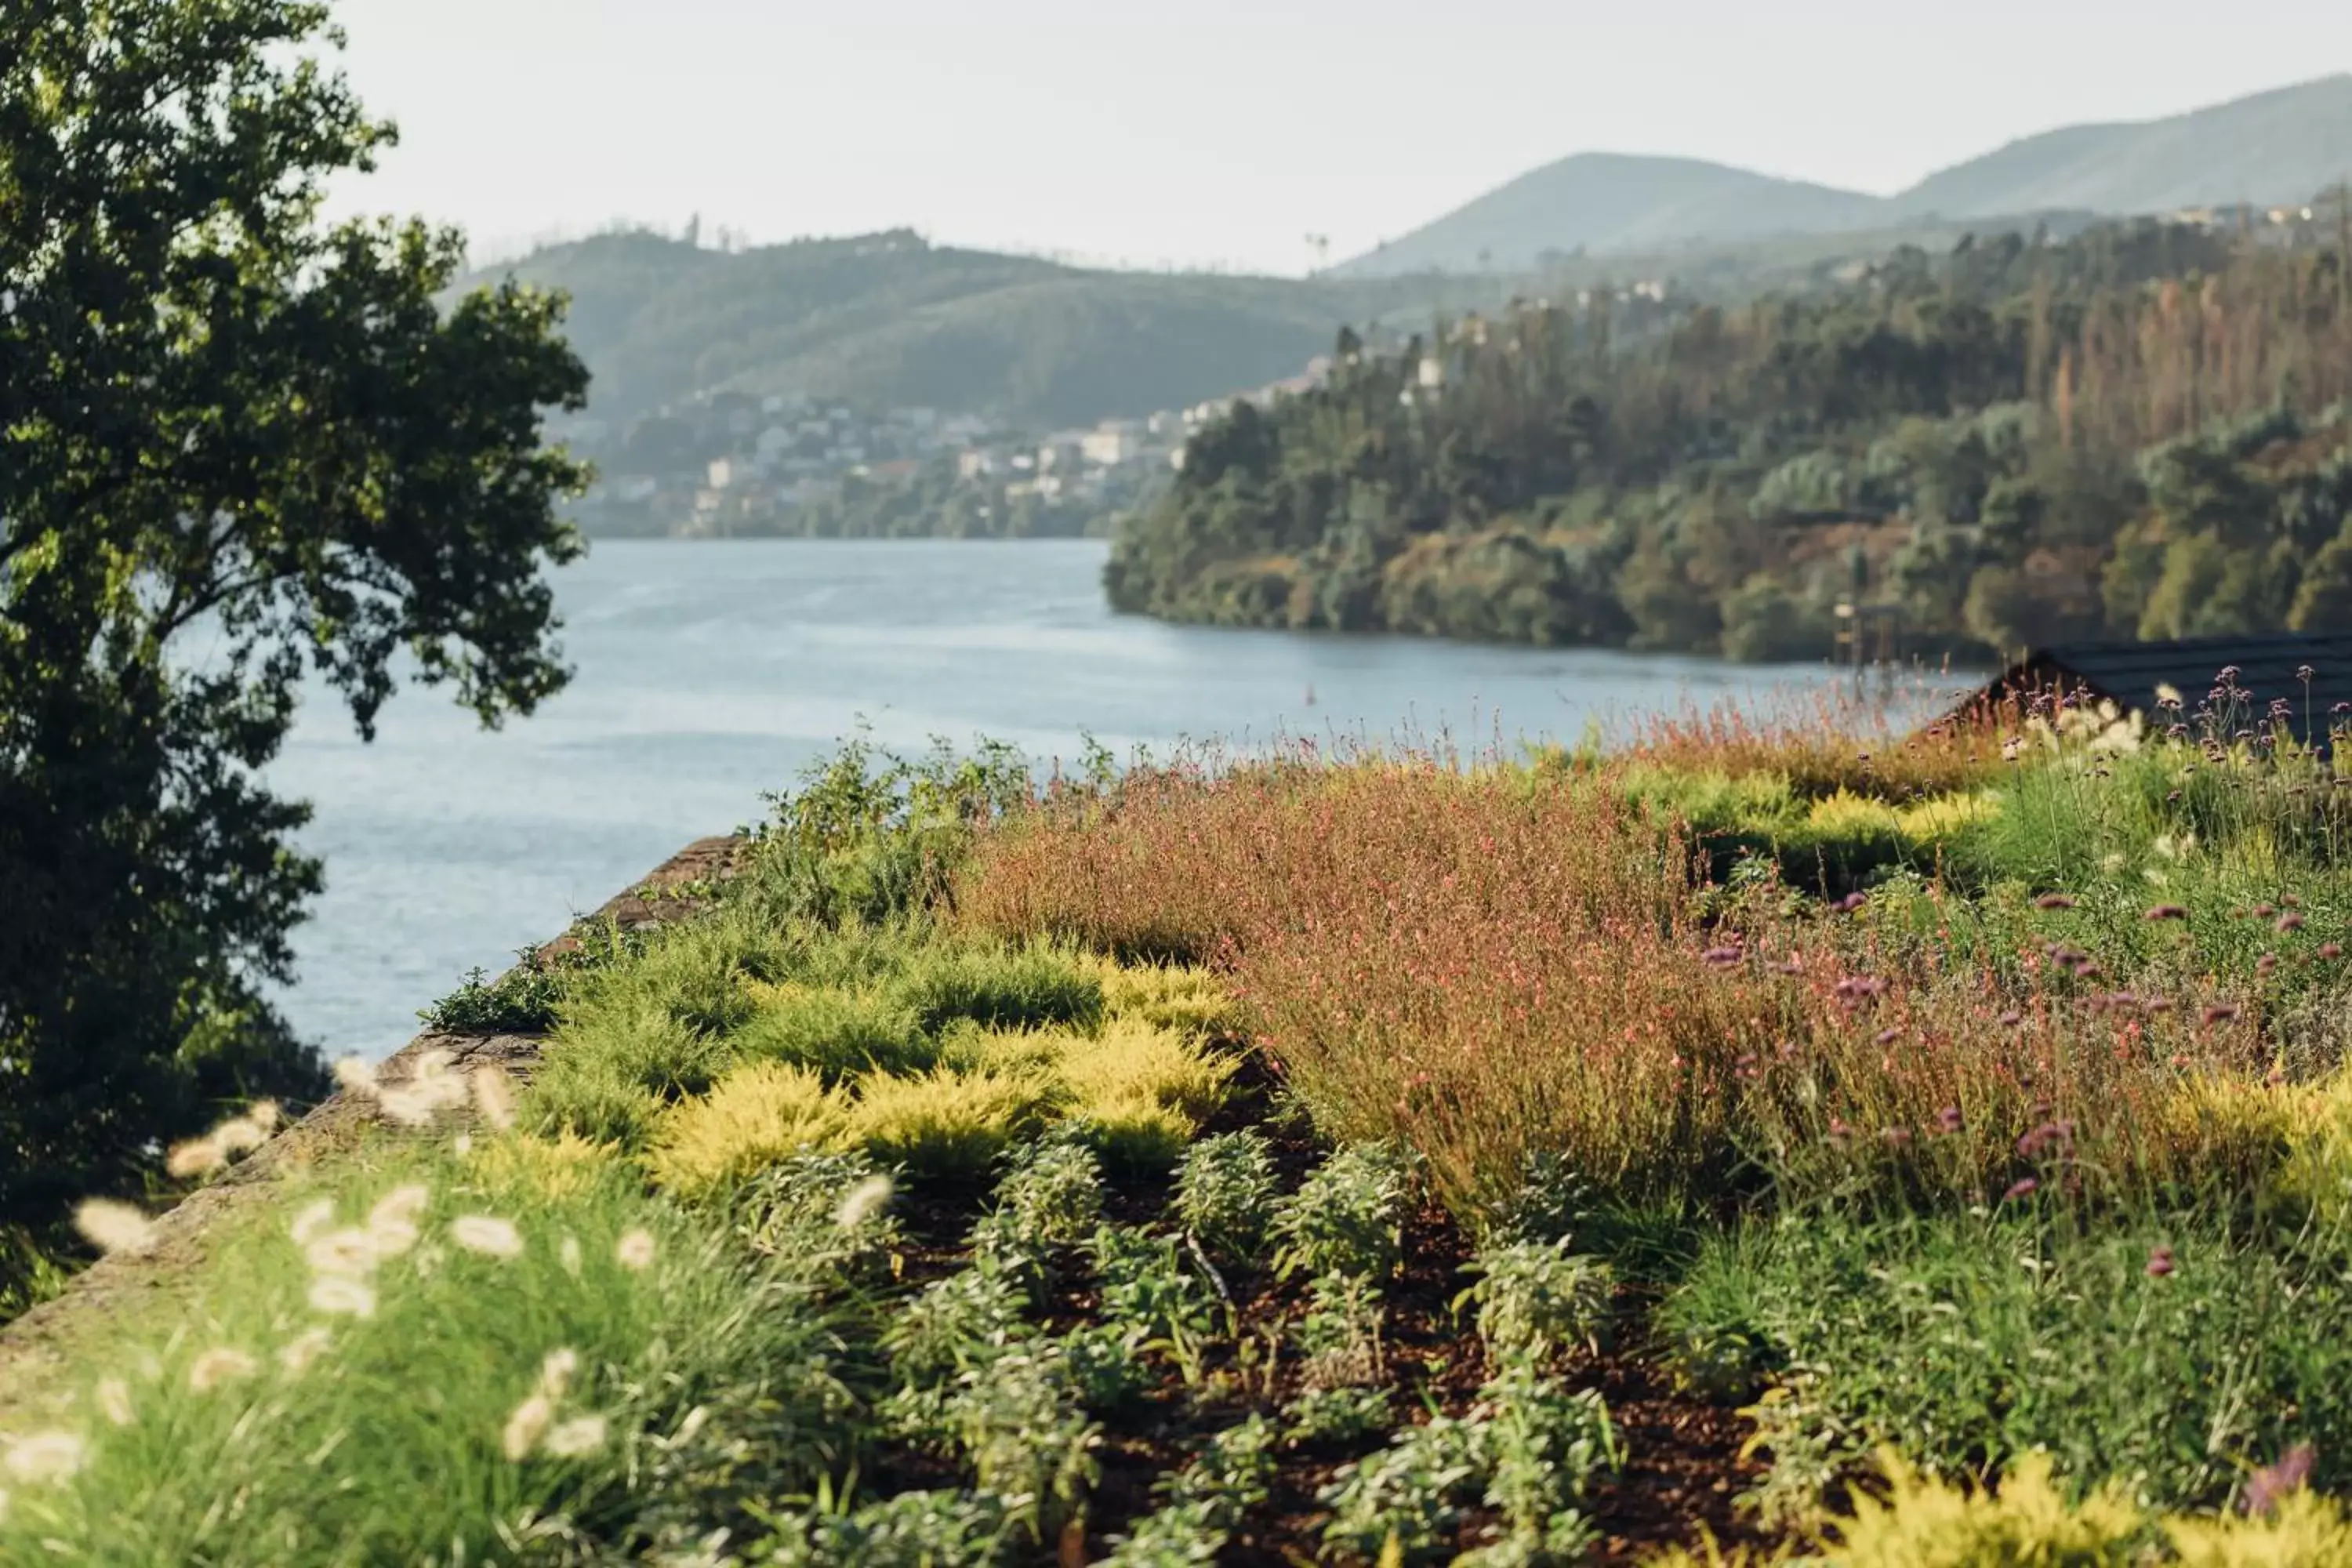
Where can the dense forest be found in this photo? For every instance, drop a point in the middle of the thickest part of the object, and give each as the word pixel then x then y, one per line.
pixel 2139 431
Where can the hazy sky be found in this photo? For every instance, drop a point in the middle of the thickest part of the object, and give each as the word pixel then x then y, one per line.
pixel 1224 131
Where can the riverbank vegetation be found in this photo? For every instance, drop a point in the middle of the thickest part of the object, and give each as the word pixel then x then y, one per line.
pixel 2139 432
pixel 1761 1141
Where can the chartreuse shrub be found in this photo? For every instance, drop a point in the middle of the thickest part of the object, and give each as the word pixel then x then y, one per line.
pixel 1014 987
pixel 418 1355
pixel 837 1031
pixel 945 1124
pixel 2032 1520
pixel 1182 997
pixel 759 1114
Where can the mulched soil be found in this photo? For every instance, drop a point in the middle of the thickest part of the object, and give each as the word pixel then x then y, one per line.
pixel 1683 1469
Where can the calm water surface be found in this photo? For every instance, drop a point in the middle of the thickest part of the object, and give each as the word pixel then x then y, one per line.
pixel 709 672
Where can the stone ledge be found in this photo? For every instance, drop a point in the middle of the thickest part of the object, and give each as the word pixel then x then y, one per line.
pixel 36 1342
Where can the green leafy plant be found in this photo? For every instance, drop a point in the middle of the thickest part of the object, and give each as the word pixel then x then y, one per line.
pixel 1143 1286
pixel 1537 1300
pixel 1406 1500
pixel 1337 1417
pixel 1225 1193
pixel 1204 1501
pixel 1346 1216
pixel 920 1529
pixel 1546 1447
pixel 1339 1333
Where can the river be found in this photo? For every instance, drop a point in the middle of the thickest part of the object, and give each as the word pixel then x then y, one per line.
pixel 709 672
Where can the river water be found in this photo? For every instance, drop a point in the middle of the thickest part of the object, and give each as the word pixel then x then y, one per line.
pixel 709 672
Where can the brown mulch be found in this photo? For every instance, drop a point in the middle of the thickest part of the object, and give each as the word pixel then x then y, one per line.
pixel 1683 1472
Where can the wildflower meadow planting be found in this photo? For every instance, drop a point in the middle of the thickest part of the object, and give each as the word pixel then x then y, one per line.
pixel 1756 1143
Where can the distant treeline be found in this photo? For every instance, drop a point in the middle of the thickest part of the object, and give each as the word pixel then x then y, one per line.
pixel 2141 431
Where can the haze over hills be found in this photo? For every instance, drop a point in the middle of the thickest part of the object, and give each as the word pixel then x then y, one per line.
pixel 2278 147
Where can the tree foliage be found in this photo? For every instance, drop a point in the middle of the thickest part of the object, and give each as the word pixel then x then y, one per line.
pixel 239 449
pixel 2136 432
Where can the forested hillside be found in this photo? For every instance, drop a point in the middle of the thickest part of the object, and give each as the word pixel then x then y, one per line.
pixel 889 321
pixel 2137 432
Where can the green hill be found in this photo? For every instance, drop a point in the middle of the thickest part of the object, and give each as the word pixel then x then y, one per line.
pixel 2274 148
pixel 889 320
pixel 1614 202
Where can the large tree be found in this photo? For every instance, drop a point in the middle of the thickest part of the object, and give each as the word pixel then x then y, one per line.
pixel 239 445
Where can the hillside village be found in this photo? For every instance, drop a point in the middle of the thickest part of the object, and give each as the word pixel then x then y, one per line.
pixel 731 465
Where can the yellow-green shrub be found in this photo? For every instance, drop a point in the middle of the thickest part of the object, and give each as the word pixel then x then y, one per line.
pixel 1925 1522
pixel 945 1124
pixel 1182 997
pixel 2028 1522
pixel 834 1030
pixel 755 1116
pixel 1132 1060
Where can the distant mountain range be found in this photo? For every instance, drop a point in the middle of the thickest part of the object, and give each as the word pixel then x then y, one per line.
pixel 890 321
pixel 2271 149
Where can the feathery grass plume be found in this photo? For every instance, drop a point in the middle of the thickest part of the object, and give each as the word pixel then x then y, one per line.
pixel 635 1250
pixel 341 1294
pixel 266 1114
pixel 569 1255
pixel 312 1220
pixel 219 1366
pixel 239 1135
pixel 555 1372
pixel 526 1425
pixel 392 1223
pixel 44 1457
pixel 862 1202
pixel 494 1096
pixel 349 1252
pixel 195 1157
pixel 571 1439
pixel 356 1075
pixel 113 1226
pixel 112 1397
pixel 297 1353
pixel 487 1234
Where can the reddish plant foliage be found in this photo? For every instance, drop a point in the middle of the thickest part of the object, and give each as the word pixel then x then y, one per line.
pixel 1488 963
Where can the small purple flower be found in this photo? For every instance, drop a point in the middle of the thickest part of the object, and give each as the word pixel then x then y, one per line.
pixel 1851 903
pixel 2165 912
pixel 2220 1013
pixel 2159 1262
pixel 2289 921
pixel 2331 949
pixel 2023 1187
pixel 2229 674
pixel 2270 1484
pixel 2050 1136
pixel 1896 1137
pixel 1888 1036
pixel 1721 957
pixel 2305 673
pixel 2053 902
pixel 1948 1118
pixel 2266 963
